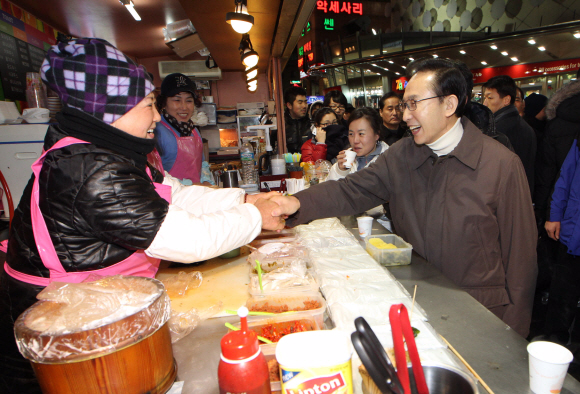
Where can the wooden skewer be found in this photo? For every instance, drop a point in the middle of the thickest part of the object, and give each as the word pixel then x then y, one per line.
pixel 485 386
pixel 413 304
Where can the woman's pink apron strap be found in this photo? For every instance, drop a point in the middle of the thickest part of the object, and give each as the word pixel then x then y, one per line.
pixel 137 264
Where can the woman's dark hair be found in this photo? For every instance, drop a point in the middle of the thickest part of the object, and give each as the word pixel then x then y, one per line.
pixel 161 101
pixel 370 114
pixel 321 113
pixel 449 79
pixel 336 96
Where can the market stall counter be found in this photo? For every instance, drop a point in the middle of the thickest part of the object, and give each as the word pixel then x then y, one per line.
pixel 494 351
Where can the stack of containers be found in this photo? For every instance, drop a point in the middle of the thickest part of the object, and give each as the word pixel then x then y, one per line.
pixel 354 285
pixel 288 299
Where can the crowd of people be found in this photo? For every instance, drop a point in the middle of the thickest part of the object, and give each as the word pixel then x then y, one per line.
pixel 500 221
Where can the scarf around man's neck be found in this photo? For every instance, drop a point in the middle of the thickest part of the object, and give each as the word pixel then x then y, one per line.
pixel 83 126
pixel 183 128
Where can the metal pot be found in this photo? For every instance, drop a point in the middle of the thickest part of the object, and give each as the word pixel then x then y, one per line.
pixel 229 178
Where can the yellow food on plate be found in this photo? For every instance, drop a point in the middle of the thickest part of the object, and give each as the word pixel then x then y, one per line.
pixel 380 244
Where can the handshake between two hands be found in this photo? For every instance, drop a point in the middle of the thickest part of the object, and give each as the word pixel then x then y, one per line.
pixel 274 208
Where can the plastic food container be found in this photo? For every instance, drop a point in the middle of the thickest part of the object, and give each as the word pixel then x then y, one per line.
pixel 390 257
pixel 279 283
pixel 293 300
pixel 280 322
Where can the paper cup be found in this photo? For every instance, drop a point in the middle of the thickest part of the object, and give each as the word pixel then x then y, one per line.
pixel 548 366
pixel 350 157
pixel 278 166
pixel 365 226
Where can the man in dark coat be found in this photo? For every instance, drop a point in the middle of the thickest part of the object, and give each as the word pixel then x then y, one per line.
pixel 459 197
pixel 392 128
pixel 500 96
pixel 296 118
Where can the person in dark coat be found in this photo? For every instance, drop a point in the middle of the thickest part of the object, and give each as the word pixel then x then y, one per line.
pixel 392 128
pixel 296 118
pixel 563 124
pixel 535 115
pixel 479 114
pixel 336 100
pixel 500 96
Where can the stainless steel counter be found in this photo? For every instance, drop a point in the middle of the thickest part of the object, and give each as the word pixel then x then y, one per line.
pixel 497 353
pixel 494 351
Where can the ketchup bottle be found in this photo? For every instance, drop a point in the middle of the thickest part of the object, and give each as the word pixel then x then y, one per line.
pixel 242 367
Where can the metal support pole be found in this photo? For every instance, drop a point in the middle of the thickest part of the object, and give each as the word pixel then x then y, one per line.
pixel 280 107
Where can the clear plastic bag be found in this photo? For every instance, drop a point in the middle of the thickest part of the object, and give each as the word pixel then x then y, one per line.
pixel 177 285
pixel 294 277
pixel 276 255
pixel 75 320
pixel 182 324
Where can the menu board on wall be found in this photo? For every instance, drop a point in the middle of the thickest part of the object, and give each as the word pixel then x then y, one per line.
pixel 16 59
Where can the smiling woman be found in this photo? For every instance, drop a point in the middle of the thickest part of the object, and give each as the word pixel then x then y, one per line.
pixel 178 140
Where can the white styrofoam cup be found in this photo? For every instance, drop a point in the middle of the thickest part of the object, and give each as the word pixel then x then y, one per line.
pixel 548 366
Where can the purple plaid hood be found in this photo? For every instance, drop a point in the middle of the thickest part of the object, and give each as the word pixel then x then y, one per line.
pixel 92 75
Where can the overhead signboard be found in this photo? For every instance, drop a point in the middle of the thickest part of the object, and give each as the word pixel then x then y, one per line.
pixel 482 75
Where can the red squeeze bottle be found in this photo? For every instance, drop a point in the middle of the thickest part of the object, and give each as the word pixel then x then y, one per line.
pixel 242 367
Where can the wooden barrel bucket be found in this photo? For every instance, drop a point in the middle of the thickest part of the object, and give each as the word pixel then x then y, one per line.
pixel 130 356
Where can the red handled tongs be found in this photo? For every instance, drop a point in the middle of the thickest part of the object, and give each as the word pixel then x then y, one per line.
pixel 401 327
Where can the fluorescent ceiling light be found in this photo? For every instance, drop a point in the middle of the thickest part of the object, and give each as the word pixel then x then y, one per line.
pixel 462 52
pixel 577 35
pixel 390 61
pixel 404 67
pixel 484 63
pixel 493 47
pixel 504 53
pixel 532 42
pixel 542 48
pixel 531 83
pixel 549 81
pixel 435 56
pixel 131 8
pixel 411 59
pixel 374 32
pixel 515 59
pixel 397 73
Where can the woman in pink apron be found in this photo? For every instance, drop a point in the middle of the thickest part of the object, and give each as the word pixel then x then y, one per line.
pixel 93 206
pixel 178 140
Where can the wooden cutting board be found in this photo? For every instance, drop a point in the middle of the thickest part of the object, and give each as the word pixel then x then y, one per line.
pixel 224 280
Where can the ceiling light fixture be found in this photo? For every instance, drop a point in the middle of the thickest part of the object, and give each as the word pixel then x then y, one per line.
pixel 462 52
pixel 240 20
pixel 411 59
pixel 390 61
pixel 493 47
pixel 131 8
pixel 577 35
pixel 249 56
pixel 251 73
pixel 532 41
pixel 484 63
pixel 404 67
pixel 504 53
pixel 542 48
pixel 374 32
pixel 549 81
pixel 435 56
pixel 515 59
